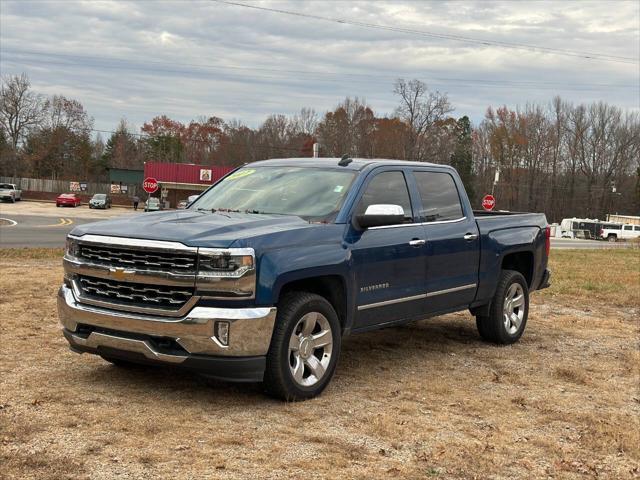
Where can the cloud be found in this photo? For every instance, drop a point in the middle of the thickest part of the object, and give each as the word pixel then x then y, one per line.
pixel 138 59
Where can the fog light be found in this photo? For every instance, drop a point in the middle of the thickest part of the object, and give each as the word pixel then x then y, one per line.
pixel 222 332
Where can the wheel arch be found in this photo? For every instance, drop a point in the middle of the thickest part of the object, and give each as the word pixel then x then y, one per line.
pixel 332 287
pixel 522 262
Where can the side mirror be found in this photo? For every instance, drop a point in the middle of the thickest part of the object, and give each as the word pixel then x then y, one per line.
pixel 381 215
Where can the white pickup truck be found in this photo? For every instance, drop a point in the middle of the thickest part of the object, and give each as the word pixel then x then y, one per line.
pixel 616 232
pixel 8 191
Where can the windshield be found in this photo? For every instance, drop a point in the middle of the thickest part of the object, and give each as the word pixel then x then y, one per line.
pixel 152 200
pixel 99 196
pixel 310 193
pixel 7 186
pixel 68 195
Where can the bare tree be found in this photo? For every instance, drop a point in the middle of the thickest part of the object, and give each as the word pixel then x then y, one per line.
pixel 421 109
pixel 20 111
pixel 63 113
pixel 305 122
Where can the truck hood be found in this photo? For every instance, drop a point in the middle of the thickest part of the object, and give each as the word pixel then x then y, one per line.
pixel 192 228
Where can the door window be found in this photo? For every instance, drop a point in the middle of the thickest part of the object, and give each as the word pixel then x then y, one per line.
pixel 628 227
pixel 440 199
pixel 387 188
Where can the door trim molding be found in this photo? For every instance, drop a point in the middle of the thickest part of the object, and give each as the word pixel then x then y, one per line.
pixel 451 290
pixel 417 297
pixel 391 302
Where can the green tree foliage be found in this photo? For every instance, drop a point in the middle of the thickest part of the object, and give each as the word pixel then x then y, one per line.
pixel 461 158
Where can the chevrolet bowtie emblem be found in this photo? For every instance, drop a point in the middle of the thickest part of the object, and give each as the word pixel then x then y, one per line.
pixel 120 273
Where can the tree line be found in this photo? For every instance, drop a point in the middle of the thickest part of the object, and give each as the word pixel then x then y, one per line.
pixel 559 158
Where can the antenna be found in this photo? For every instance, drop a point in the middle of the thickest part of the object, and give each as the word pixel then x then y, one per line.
pixel 345 160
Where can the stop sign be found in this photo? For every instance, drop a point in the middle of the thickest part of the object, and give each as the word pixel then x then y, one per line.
pixel 488 202
pixel 150 185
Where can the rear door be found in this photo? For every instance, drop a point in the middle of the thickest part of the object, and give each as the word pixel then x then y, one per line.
pixel 453 244
pixel 389 263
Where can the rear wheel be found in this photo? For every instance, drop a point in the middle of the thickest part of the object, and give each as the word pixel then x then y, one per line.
pixel 509 310
pixel 304 347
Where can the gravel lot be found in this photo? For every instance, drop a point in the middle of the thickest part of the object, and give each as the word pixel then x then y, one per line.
pixel 427 400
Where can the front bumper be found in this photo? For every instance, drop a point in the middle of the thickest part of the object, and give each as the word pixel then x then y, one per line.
pixel 188 341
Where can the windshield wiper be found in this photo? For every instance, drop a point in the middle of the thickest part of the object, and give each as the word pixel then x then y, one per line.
pixel 218 210
pixel 260 212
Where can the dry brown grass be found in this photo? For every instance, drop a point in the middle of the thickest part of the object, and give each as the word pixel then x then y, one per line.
pixel 427 400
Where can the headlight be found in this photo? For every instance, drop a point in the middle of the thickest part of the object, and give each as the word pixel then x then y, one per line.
pixel 72 248
pixel 226 273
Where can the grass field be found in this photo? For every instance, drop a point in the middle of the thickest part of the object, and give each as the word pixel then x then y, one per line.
pixel 427 400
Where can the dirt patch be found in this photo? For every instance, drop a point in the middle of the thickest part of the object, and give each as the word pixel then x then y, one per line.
pixel 427 400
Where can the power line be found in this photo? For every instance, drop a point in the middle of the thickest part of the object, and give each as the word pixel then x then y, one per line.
pixel 119 63
pixel 459 38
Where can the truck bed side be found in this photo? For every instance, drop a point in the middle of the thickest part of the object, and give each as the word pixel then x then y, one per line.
pixel 512 241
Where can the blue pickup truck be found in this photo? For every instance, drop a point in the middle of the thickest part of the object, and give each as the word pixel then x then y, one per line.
pixel 267 271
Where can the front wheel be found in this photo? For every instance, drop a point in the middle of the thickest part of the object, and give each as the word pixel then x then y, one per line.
pixel 509 310
pixel 612 238
pixel 305 347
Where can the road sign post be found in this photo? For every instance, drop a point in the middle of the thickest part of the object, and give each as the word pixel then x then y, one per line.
pixel 150 184
pixel 488 202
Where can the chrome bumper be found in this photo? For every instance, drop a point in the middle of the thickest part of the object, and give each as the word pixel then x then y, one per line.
pixel 249 332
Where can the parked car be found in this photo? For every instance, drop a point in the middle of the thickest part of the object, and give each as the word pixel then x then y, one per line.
pixel 264 287
pixel 152 204
pixel 192 198
pixel 613 233
pixel 8 191
pixel 68 200
pixel 182 204
pixel 100 200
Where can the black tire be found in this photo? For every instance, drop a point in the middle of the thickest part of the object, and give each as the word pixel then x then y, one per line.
pixel 612 238
pixel 278 378
pixel 492 328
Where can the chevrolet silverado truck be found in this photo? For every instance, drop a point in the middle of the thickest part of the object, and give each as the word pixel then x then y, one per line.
pixel 8 191
pixel 262 277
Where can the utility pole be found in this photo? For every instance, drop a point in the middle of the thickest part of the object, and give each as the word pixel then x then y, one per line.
pixel 316 150
pixel 496 178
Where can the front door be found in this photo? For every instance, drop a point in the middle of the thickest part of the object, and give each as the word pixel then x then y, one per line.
pixel 388 262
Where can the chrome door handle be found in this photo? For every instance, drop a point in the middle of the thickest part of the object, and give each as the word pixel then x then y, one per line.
pixel 417 242
pixel 470 236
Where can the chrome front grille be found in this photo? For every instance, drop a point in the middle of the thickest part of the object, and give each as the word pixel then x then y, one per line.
pixel 167 261
pixel 134 294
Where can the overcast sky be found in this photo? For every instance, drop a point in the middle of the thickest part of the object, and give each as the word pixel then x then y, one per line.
pixel 139 59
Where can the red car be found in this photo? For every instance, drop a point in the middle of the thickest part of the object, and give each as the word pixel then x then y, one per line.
pixel 68 200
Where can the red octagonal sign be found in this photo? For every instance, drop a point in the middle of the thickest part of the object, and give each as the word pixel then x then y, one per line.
pixel 488 202
pixel 150 184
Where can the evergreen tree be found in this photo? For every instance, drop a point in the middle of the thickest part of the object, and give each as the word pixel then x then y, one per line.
pixel 461 159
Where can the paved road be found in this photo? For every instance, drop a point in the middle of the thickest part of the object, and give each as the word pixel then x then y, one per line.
pixel 37 230
pixel 568 243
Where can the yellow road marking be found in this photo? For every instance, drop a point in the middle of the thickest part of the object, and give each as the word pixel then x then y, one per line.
pixel 63 222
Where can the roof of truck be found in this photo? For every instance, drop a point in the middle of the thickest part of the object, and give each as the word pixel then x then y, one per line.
pixel 355 164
